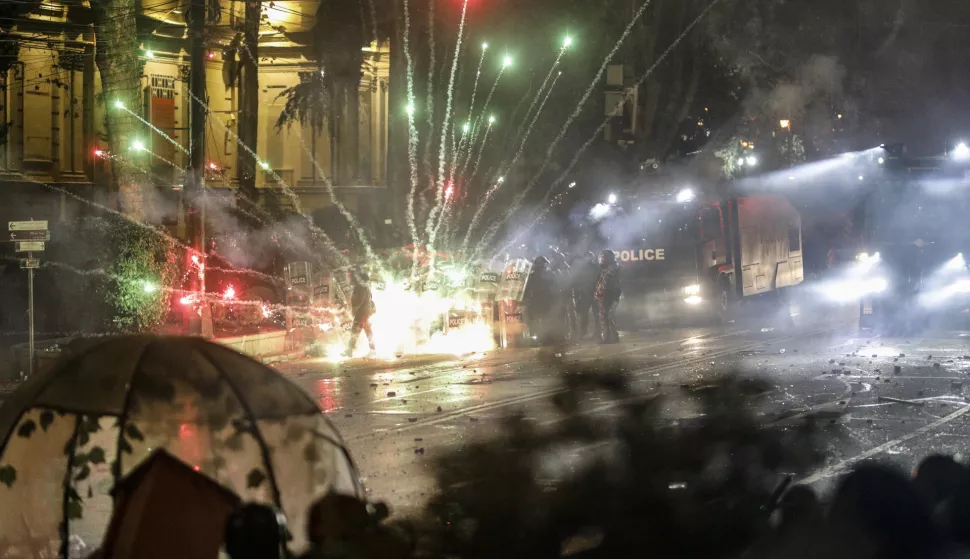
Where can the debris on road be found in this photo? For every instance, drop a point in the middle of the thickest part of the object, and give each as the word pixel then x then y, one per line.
pixel 391 394
pixel 897 370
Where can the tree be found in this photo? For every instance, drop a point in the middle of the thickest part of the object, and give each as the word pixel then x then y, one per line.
pixel 120 65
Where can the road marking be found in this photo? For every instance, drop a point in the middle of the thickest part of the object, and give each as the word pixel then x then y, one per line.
pixel 836 469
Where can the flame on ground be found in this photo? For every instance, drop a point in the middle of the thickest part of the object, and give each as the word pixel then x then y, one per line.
pixel 416 323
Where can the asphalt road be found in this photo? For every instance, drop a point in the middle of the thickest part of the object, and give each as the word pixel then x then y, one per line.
pixel 396 417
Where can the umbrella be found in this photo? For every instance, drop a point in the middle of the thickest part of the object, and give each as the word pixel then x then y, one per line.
pixel 69 434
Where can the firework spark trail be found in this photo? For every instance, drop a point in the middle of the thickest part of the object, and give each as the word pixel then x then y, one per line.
pixel 297 205
pixel 518 154
pixel 412 141
pixel 154 128
pixel 471 104
pixel 545 82
pixel 559 180
pixel 351 219
pixel 478 158
pixel 429 100
pixel 579 106
pixel 143 225
pixel 440 186
pixel 476 126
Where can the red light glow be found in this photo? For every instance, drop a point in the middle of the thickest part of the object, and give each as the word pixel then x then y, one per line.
pixel 229 293
pixel 187 300
pixel 98 153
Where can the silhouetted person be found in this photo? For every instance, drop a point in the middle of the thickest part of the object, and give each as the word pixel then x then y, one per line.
pixel 876 512
pixel 563 312
pixel 362 308
pixel 256 531
pixel 340 526
pixel 538 299
pixel 585 274
pixel 608 296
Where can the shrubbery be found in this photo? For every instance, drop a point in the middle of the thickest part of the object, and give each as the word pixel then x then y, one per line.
pixel 111 275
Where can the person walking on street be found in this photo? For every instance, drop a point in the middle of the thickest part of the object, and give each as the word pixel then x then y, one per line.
pixel 586 273
pixel 538 299
pixel 607 296
pixel 362 308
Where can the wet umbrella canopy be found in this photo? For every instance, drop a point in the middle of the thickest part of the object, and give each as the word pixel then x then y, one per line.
pixel 68 436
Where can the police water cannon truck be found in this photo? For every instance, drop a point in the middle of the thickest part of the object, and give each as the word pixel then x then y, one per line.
pixel 911 272
pixel 688 258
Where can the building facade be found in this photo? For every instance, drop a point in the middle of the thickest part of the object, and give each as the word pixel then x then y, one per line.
pixel 54 111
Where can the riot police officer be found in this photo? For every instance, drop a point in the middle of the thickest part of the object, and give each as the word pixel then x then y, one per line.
pixel 608 296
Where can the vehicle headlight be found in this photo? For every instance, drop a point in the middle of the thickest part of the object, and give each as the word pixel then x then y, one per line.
pixel 865 256
pixel 693 300
pixel 692 290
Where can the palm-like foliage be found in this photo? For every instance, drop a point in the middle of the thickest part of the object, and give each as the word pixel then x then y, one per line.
pixel 307 102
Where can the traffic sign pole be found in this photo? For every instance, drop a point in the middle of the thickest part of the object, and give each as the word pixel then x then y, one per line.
pixel 30 314
pixel 29 236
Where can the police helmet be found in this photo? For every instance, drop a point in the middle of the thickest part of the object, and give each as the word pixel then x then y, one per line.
pixel 607 256
pixel 540 262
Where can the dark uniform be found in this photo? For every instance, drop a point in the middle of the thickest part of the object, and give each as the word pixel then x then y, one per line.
pixel 608 296
pixel 538 298
pixel 362 308
pixel 585 275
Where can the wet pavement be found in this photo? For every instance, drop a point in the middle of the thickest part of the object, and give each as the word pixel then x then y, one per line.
pixel 885 398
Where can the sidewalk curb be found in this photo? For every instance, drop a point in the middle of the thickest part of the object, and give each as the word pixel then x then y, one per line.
pixel 281 357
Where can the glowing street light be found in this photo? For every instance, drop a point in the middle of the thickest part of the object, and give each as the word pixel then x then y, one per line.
pixel 961 152
pixel 685 195
pixel 611 199
pixel 751 161
pixel 784 123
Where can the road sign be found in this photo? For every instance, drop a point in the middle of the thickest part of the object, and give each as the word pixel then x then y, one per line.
pixel 40 225
pixel 29 263
pixel 30 235
pixel 30 246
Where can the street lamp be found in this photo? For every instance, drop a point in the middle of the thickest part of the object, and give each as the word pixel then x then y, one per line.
pixel 685 195
pixel 751 161
pixel 611 199
pixel 961 152
pixel 784 123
